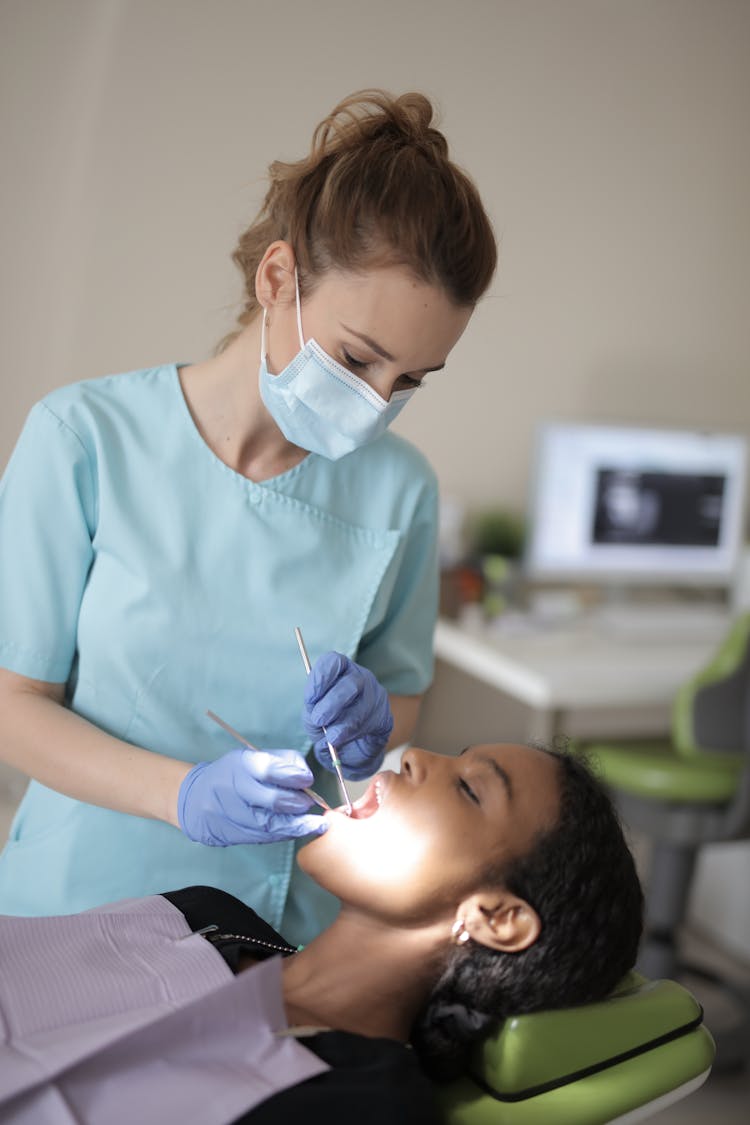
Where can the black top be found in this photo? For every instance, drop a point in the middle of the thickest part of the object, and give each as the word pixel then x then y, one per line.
pixel 371 1081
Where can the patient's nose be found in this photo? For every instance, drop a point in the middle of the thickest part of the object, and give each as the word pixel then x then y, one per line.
pixel 414 764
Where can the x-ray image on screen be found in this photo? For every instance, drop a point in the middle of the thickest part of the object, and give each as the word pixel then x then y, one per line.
pixel 629 504
pixel 669 509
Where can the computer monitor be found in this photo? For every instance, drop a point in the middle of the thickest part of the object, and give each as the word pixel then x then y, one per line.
pixel 629 505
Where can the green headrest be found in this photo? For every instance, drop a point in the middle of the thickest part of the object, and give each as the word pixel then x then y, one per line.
pixel 645 1045
pixel 538 1051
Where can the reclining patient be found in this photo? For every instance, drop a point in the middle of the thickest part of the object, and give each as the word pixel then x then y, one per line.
pixel 471 887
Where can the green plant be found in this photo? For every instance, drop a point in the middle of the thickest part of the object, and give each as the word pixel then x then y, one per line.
pixel 496 531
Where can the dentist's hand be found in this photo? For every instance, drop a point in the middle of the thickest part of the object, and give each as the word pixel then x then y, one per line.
pixel 247 797
pixel 348 701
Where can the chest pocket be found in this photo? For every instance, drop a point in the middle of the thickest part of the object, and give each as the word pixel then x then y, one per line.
pixel 234 649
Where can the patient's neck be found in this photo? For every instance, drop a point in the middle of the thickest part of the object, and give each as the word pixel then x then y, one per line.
pixel 361 977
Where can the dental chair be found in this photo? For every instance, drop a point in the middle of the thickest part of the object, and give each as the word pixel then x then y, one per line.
pixel 682 794
pixel 620 1060
pixel 645 1046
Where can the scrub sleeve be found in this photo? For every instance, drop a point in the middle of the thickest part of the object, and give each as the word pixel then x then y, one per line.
pixel 155 582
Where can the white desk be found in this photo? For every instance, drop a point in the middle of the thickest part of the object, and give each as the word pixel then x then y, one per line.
pixel 579 666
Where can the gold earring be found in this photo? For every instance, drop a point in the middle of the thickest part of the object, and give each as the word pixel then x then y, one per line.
pixel 459 932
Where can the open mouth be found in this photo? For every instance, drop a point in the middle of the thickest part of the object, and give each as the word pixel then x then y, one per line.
pixel 370 801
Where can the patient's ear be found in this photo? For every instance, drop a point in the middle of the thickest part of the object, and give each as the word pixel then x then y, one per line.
pixel 500 920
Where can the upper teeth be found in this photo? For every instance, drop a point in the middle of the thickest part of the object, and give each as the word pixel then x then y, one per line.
pixel 378 793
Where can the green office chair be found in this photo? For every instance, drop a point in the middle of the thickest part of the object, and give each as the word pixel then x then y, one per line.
pixel 622 1059
pixel 682 794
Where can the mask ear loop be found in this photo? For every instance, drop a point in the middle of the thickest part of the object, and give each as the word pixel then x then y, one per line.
pixel 263 337
pixel 299 309
pixel 299 321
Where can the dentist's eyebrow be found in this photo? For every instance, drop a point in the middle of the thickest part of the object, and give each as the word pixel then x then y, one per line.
pixel 370 343
pixel 381 351
pixel 498 769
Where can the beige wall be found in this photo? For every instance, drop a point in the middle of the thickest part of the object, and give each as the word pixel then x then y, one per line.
pixel 608 137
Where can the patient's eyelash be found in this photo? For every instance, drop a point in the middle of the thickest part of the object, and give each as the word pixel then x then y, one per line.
pixel 463 785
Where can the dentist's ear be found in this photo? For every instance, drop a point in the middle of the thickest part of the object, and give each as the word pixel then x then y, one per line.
pixel 500 920
pixel 274 277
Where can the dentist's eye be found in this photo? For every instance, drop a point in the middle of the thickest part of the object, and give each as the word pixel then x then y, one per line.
pixel 350 361
pixel 467 790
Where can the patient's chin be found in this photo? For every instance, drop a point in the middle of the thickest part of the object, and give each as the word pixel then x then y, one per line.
pixel 327 856
pixel 321 843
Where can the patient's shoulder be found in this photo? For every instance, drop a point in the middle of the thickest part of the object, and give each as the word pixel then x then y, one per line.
pixel 380 1078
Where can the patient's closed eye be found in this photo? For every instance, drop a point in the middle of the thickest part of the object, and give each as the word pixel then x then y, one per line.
pixel 466 788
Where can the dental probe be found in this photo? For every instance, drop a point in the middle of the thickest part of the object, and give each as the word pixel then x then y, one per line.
pixel 235 734
pixel 334 756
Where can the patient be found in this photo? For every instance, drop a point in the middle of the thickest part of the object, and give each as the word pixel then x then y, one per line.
pixel 471 887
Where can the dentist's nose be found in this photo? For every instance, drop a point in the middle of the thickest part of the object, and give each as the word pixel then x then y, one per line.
pixel 383 382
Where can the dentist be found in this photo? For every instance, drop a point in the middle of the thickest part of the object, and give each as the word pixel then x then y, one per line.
pixel 163 531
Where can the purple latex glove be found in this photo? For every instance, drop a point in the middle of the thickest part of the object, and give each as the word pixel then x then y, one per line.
pixel 348 701
pixel 247 797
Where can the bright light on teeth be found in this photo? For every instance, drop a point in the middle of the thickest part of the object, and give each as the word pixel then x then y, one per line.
pixel 370 801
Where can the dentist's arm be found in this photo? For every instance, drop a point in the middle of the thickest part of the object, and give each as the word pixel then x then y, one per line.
pixel 405 710
pixel 238 798
pixel 42 738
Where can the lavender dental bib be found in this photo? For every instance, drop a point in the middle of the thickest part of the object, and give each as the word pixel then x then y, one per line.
pixel 122 1014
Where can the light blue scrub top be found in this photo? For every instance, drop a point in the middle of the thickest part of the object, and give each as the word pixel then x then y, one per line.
pixel 157 582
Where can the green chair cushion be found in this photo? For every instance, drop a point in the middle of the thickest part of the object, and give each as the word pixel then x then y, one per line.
pixel 540 1048
pixel 653 770
pixel 586 1064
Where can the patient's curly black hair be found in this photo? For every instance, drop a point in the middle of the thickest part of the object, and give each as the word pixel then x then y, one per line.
pixel 580 878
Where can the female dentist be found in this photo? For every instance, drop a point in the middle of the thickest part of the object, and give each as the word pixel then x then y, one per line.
pixel 163 531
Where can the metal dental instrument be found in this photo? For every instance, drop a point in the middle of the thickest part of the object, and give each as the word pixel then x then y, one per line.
pixel 235 734
pixel 332 750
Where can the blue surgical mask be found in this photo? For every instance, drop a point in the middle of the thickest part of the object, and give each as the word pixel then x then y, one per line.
pixel 320 405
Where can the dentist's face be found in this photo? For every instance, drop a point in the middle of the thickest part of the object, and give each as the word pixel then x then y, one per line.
pixel 382 324
pixel 421 840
